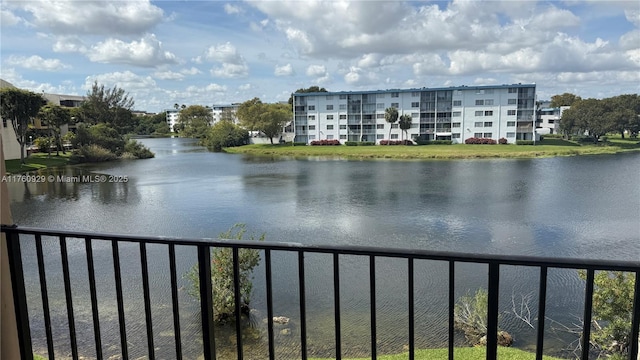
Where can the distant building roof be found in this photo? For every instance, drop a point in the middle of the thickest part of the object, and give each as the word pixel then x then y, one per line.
pixel 463 87
pixel 6 84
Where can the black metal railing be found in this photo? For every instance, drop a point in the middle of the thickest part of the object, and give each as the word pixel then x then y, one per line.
pixel 494 262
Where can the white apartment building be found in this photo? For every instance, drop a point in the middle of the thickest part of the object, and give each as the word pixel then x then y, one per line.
pixel 452 113
pixel 225 112
pixel 172 117
pixel 548 121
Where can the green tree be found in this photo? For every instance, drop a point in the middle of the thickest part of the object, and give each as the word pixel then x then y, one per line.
pixel 311 89
pixel 225 134
pixel 273 119
pixel 404 122
pixel 54 117
pixel 612 311
pixel 110 106
pixel 623 112
pixel 391 116
pixel 566 99
pixel 589 116
pixel 196 121
pixel 20 107
pixel 222 275
pixel 249 113
pixel 227 115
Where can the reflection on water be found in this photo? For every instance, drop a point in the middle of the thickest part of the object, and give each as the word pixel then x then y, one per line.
pixel 569 207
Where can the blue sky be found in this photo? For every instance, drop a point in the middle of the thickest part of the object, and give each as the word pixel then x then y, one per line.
pixel 219 52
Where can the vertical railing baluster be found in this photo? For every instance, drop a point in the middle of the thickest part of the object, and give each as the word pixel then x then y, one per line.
pixel 45 296
pixel 206 301
pixel 336 305
pixel 269 284
pixel 588 307
pixel 542 309
pixel 119 299
pixel 19 294
pixel 411 310
pixel 236 294
pixel 147 299
pixel 372 295
pixel 94 297
pixel 67 293
pixel 174 300
pixel 303 306
pixel 492 313
pixel 635 321
pixel 452 306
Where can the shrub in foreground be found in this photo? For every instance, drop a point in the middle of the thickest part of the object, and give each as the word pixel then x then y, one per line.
pixel 525 142
pixel 481 141
pixel 502 141
pixel 137 150
pixel 396 142
pixel 324 142
pixel 92 153
pixel 434 142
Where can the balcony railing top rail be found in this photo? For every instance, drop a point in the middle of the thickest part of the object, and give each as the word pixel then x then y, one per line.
pixel 494 261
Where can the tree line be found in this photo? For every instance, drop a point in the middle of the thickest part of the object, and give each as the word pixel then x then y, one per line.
pixel 598 117
pixel 103 122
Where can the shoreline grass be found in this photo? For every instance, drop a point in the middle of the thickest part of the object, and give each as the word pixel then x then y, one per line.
pixel 546 148
pixel 504 353
pixel 37 161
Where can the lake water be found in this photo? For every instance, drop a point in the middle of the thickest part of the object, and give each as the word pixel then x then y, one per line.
pixel 583 207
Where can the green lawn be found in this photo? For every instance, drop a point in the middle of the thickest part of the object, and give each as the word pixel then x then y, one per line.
pixel 37 161
pixel 546 148
pixel 471 353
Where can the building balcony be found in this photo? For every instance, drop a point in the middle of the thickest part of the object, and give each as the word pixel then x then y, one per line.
pixel 84 310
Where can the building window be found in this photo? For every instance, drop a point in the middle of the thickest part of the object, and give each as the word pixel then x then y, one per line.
pixel 457 92
pixel 455 125
pixel 329 127
pixel 415 104
pixel 455 136
pixel 551 121
pixel 343 107
pixel 479 102
pixel 488 135
pixel 380 106
pixel 394 136
pixel 488 102
pixel 395 105
pixel 380 126
pixel 343 127
pixel 312 107
pixel 457 102
pixel 477 135
pixel 329 107
pixel 488 113
pixel 395 94
pixel 343 117
pixel 329 97
pixel 513 90
pixel 312 127
pixel 329 117
pixel 477 124
pixel 512 101
pixel 312 117
pixel 511 134
pixel 511 112
pixel 379 136
pixel 479 113
pixel 394 126
pixel 343 97
pixel 479 91
pixel 312 137
pixel 329 137
pixel 343 137
pixel 488 123
pixel 415 93
pixel 456 114
pixel 380 96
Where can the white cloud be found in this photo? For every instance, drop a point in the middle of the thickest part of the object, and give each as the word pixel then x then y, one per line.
pixel 147 52
pixel 357 77
pixel 126 80
pixel 284 70
pixel 633 15
pixel 316 70
pixel 168 75
pixel 244 87
pixel 630 40
pixel 191 71
pixel 36 63
pixel 94 17
pixel 229 70
pixel 69 44
pixel 212 87
pixel 7 18
pixel 232 9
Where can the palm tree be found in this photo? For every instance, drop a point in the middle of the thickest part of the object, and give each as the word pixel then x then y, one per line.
pixel 391 116
pixel 405 123
pixel 176 106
